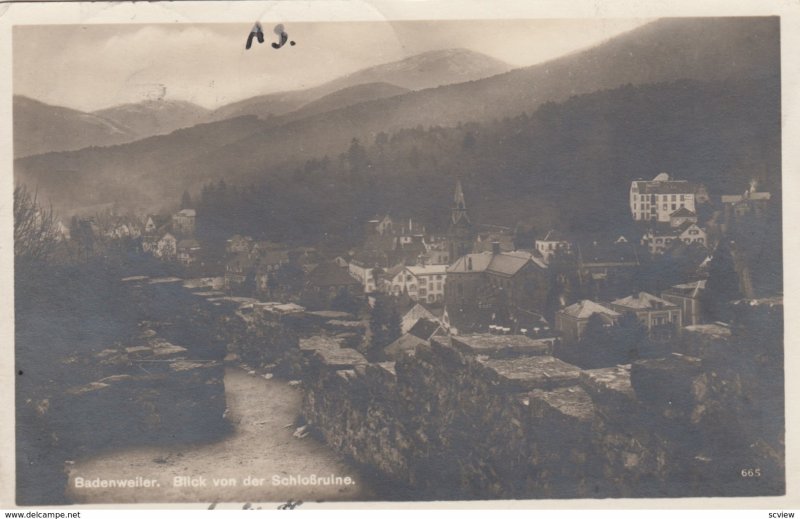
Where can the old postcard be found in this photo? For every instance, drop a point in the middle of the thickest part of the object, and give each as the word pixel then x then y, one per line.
pixel 274 257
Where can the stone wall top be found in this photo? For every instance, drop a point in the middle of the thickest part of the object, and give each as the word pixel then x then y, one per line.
pixel 502 345
pixel 571 403
pixel 341 358
pixel 612 385
pixel 526 373
pixel 318 342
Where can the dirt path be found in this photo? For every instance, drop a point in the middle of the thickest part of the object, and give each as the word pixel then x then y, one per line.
pixel 261 447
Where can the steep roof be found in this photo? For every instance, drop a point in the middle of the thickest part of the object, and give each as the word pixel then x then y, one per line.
pixel 554 235
pixel 584 309
pixel 392 271
pixel 692 290
pixel 479 262
pixel 424 328
pixel 459 212
pixel 330 274
pixel 685 226
pixel 427 270
pixel 642 301
pixel 416 313
pixel 682 212
pixel 505 263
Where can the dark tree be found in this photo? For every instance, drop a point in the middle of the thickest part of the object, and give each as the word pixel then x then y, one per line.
pixel 35 230
pixel 344 301
pixel 384 326
pixel 186 200
pixel 357 156
pixel 722 285
pixel 629 335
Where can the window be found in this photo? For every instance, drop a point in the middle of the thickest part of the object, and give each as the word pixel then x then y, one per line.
pixel 674 206
pixel 409 278
pixel 438 286
pixel 674 197
pixel 634 207
pixel 683 197
pixel 664 207
pixel 438 276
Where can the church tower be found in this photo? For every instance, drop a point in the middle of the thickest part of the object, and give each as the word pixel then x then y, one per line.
pixel 460 235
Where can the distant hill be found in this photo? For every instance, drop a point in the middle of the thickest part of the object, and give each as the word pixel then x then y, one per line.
pixel 347 97
pixel 426 70
pixel 735 51
pixel 123 174
pixel 702 49
pixel 40 127
pixel 155 117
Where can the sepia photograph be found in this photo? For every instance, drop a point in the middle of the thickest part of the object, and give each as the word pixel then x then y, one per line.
pixel 397 261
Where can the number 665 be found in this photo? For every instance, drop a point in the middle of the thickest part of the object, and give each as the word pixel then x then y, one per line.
pixel 751 473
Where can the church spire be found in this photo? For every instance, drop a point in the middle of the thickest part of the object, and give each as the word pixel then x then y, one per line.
pixel 459 210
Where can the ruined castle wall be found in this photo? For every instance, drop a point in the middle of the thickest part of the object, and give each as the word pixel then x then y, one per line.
pixel 466 418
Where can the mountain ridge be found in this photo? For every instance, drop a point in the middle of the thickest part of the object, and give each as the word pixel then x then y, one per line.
pixel 666 50
pixel 413 73
pixel 155 117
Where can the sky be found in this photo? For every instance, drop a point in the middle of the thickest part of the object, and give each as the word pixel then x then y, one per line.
pixel 90 67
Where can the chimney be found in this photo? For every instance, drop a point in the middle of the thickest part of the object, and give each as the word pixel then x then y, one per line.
pixel 495 247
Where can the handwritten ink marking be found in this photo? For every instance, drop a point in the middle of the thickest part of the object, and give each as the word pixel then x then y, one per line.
pixel 256 32
pixel 283 35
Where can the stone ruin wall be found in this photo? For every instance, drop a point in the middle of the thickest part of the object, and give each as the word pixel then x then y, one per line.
pixel 497 417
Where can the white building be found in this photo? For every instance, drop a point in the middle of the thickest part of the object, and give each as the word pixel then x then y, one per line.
pixel 658 241
pixel 553 242
pixel 364 274
pixel 424 283
pixel 658 199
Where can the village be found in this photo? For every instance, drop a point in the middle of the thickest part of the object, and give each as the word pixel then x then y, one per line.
pixel 477 278
pixel 636 345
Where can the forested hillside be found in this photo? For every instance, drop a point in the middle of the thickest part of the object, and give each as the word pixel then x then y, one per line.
pixel 571 161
